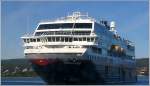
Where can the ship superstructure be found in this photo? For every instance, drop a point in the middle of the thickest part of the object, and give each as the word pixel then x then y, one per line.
pixel 82 51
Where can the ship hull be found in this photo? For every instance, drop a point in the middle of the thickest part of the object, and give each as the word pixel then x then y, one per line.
pixel 66 71
pixel 59 71
pixel 80 72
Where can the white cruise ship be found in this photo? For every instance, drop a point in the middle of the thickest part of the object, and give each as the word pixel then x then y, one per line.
pixel 77 49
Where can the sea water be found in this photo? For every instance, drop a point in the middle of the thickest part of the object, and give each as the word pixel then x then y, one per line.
pixel 142 80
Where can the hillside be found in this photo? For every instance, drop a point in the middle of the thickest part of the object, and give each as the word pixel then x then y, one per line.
pixel 16 67
pixel 142 66
pixel 142 62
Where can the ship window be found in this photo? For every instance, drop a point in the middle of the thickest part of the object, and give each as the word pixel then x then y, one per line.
pixel 66 39
pixel 81 32
pixel 24 40
pixel 38 33
pixel 29 47
pixel 28 40
pixel 49 39
pixel 34 40
pixel 75 39
pixel 92 39
pixel 57 38
pixel 65 25
pixel 63 33
pixel 53 39
pixel 84 39
pixel 80 39
pixel 83 25
pixel 31 40
pixel 88 39
pixel 70 39
pixel 38 39
pixel 62 39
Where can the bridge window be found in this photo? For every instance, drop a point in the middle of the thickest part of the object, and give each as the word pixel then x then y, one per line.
pixel 65 25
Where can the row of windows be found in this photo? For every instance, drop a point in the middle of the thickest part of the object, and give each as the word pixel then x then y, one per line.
pixel 111 53
pixel 49 46
pixel 119 54
pixel 61 39
pixel 65 25
pixel 63 33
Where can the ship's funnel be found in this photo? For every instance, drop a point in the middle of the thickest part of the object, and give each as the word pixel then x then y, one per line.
pixel 112 26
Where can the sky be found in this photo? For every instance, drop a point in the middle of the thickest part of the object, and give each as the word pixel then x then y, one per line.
pixel 19 18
